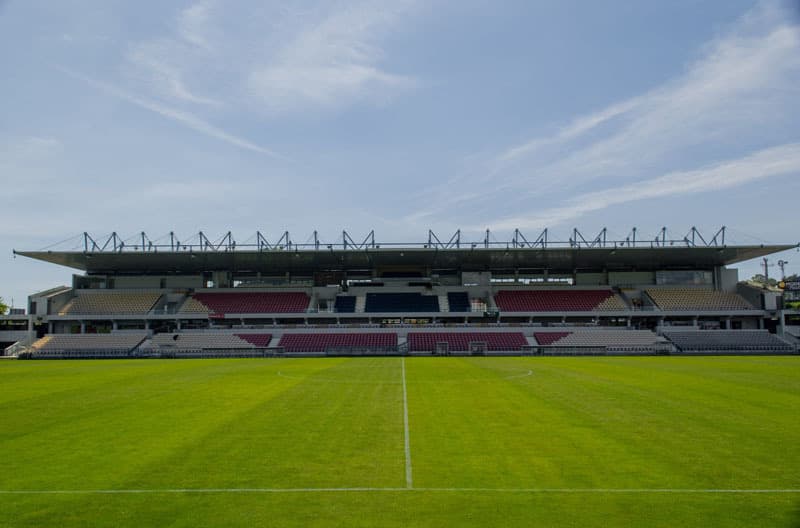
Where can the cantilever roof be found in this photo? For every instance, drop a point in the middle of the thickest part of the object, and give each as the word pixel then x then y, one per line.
pixel 305 261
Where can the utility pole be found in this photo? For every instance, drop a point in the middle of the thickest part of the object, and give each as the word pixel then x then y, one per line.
pixel 766 265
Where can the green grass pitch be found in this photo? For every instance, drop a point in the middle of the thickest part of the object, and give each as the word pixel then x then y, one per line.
pixel 652 441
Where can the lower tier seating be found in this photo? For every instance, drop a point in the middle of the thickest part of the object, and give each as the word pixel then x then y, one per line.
pixel 460 341
pixel 298 343
pixel 110 303
pixel 696 299
pixel 246 302
pixel 549 338
pixel 558 300
pixel 401 302
pixel 208 341
pixel 597 338
pixel 89 345
pixel 727 340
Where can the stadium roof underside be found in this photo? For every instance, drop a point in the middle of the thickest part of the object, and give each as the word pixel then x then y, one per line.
pixel 303 261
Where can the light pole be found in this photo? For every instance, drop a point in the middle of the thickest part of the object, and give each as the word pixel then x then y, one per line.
pixel 782 264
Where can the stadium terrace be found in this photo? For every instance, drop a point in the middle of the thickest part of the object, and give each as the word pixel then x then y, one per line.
pixel 138 297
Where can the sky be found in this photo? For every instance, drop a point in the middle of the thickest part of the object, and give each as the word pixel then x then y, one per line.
pixel 399 116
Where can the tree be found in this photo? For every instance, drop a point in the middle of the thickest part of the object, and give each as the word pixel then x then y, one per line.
pixel 3 307
pixel 761 279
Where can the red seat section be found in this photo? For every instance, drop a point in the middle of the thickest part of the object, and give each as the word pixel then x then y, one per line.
pixel 548 338
pixel 551 300
pixel 254 302
pixel 257 340
pixel 459 341
pixel 322 342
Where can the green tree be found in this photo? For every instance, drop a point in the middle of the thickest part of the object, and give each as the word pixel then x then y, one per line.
pixel 3 307
pixel 761 279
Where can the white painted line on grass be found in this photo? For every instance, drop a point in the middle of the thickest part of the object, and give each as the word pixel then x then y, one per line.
pixel 371 489
pixel 528 373
pixel 409 479
pixel 609 490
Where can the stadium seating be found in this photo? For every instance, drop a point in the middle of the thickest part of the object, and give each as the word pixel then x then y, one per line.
pixel 460 341
pixel 597 338
pixel 548 338
pixel 111 303
pixel 247 302
pixel 207 340
pixel 558 300
pixel 297 343
pixel 458 301
pixel 87 345
pixel 401 302
pixel 727 341
pixel 696 299
pixel 345 304
pixel 193 306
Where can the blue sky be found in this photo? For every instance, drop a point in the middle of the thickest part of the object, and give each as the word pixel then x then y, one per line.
pixel 398 116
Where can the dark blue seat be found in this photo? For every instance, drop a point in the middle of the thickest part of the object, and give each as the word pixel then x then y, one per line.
pixel 401 302
pixel 458 301
pixel 345 304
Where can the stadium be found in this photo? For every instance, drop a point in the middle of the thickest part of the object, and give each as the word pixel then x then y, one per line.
pixel 373 264
pixel 363 383
pixel 204 298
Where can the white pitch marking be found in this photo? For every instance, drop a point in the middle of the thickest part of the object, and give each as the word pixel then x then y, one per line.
pixel 409 479
pixel 609 490
pixel 529 373
pixel 370 489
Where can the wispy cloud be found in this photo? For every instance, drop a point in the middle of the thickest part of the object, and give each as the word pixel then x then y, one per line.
pixel 162 64
pixel 281 60
pixel 163 76
pixel 184 118
pixel 333 61
pixel 736 96
pixel 31 148
pixel 766 163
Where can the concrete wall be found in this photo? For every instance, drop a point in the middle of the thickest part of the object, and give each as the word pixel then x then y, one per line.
pixel 152 283
pixel 631 278
pixel 591 279
pixel 728 279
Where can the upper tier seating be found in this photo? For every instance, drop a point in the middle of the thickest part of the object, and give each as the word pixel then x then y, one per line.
pixel 247 302
pixel 74 344
pixel 207 341
pixel 459 302
pixel 558 300
pixel 345 304
pixel 322 342
pixel 401 302
pixel 727 340
pixel 696 299
pixel 459 341
pixel 111 303
pixel 597 338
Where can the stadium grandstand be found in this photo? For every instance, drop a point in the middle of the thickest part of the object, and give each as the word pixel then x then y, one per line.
pixel 200 298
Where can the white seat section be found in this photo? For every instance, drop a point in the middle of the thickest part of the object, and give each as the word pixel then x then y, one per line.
pixel 198 341
pixel 594 338
pixel 696 299
pixel 87 342
pixel 111 303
